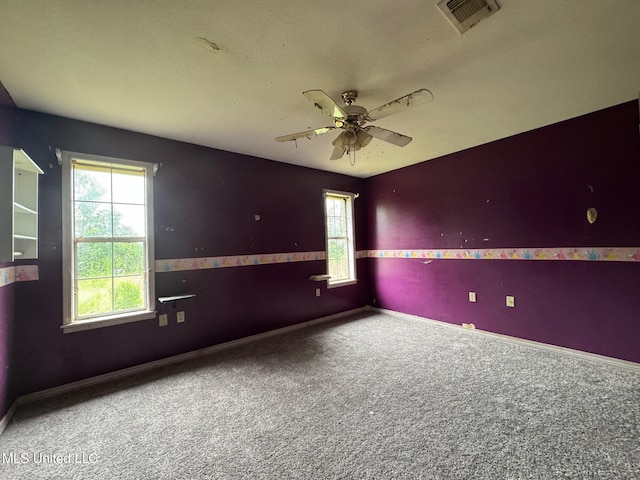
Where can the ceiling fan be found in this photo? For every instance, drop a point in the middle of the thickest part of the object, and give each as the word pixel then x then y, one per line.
pixel 352 120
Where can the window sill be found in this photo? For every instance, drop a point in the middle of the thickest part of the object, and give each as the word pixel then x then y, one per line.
pixel 342 283
pixel 91 324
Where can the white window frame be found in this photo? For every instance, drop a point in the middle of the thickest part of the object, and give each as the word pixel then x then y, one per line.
pixel 349 199
pixel 70 322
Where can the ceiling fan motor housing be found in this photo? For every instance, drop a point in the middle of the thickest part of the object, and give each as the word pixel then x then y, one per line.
pixel 354 110
pixel 356 115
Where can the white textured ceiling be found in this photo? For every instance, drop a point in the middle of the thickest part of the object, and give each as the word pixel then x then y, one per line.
pixel 139 65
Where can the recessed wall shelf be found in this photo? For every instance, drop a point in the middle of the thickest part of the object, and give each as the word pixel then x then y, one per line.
pixel 18 205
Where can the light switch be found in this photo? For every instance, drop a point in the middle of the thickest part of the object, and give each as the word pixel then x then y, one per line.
pixel 472 296
pixel 511 301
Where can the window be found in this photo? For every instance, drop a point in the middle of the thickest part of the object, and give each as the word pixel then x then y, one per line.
pixel 341 263
pixel 107 240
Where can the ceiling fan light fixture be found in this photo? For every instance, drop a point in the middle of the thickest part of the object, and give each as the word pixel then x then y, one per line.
pixel 346 140
pixel 352 140
pixel 363 138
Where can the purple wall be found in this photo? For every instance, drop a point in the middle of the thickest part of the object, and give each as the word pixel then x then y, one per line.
pixel 7 372
pixel 530 190
pixel 5 98
pixel 205 202
pixel 7 391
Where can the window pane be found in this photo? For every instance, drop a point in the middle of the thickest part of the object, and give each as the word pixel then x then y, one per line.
pixel 328 205
pixel 128 258
pixel 110 200
pixel 92 185
pixel 343 268
pixel 129 292
pixel 92 219
pixel 333 269
pixel 94 296
pixel 94 260
pixel 337 227
pixel 128 187
pixel 337 248
pixel 331 227
pixel 340 242
pixel 338 205
pixel 338 269
pixel 128 221
pixel 335 206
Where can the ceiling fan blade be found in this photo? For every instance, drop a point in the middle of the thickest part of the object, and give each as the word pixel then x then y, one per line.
pixel 401 104
pixel 324 102
pixel 388 136
pixel 337 153
pixel 308 133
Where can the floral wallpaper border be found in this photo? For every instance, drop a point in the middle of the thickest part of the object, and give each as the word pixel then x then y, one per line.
pixel 607 254
pixel 178 264
pixel 19 273
pixel 24 273
pixel 7 275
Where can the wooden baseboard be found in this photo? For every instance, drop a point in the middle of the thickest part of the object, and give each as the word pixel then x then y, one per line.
pixel 592 357
pixel 145 367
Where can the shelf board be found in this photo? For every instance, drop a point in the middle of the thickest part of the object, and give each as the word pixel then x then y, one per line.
pixel 18 208
pixel 176 297
pixel 320 277
pixel 23 162
pixel 24 237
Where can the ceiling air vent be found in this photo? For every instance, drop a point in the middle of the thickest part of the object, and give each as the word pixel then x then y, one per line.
pixel 464 14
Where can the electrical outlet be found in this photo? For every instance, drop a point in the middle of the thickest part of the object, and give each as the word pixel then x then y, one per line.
pixel 472 296
pixel 180 317
pixel 511 301
pixel 162 320
pixel 317 292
